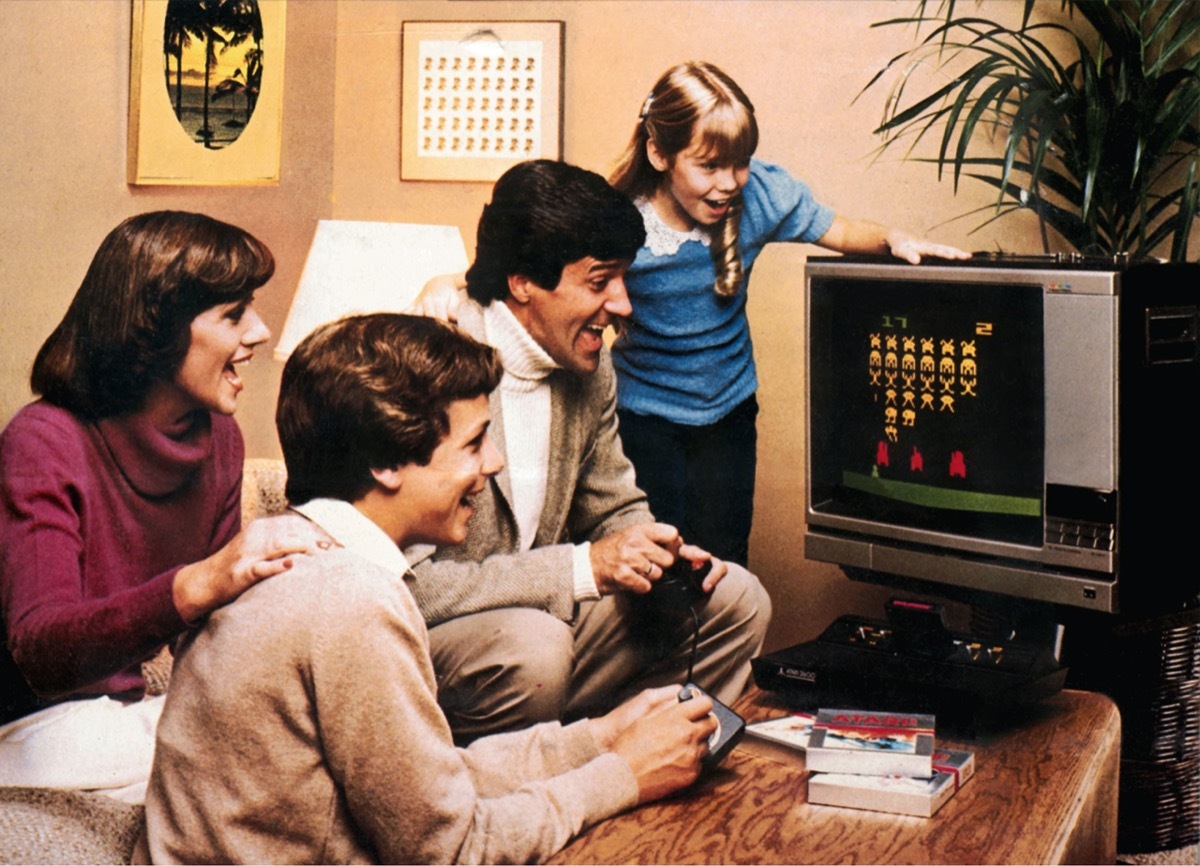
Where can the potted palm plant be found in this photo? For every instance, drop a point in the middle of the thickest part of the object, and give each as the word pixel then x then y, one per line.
pixel 1091 121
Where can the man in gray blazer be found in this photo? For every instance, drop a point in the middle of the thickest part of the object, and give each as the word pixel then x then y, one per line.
pixel 546 612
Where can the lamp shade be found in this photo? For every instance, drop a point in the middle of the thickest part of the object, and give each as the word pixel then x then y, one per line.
pixel 367 267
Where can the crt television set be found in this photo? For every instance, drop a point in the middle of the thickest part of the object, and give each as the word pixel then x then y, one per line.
pixel 1024 426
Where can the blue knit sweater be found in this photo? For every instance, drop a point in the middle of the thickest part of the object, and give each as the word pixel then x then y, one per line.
pixel 686 354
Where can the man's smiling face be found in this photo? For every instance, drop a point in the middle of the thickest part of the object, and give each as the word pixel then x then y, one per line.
pixel 568 321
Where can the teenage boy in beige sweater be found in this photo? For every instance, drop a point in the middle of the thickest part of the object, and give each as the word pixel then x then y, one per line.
pixel 302 722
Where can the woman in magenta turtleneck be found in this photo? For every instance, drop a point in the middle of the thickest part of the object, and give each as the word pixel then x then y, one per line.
pixel 120 497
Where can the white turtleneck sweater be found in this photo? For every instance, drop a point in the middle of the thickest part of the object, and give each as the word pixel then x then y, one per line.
pixel 525 394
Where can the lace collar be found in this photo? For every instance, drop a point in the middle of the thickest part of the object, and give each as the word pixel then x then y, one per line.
pixel 661 238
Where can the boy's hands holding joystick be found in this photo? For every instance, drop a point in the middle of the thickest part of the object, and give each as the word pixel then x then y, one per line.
pixel 664 741
pixel 729 725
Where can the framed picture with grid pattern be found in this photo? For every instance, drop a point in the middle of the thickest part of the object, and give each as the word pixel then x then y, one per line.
pixel 478 97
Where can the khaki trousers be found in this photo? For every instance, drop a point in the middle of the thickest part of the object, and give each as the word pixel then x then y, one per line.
pixel 506 669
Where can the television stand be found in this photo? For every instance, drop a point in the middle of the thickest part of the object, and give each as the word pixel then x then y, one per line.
pixel 912 662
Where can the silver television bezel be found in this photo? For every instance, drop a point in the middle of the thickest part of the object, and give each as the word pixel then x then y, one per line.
pixel 1081 446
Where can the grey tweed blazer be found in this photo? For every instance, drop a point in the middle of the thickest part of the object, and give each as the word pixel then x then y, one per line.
pixel 590 492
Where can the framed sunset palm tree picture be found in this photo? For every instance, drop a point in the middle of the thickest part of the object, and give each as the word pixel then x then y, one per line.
pixel 206 92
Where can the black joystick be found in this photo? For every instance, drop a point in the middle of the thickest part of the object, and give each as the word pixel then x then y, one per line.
pixel 730 726
pixel 681 584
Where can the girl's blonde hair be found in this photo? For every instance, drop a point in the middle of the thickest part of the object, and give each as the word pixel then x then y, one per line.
pixel 694 101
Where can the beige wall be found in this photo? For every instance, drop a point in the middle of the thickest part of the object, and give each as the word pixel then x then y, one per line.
pixel 802 63
pixel 62 172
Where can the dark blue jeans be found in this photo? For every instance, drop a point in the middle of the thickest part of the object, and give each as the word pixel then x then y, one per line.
pixel 699 479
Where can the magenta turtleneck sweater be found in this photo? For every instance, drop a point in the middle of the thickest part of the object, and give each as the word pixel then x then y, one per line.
pixel 95 520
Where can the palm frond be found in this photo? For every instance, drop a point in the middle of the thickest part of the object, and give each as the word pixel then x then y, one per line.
pixel 1104 145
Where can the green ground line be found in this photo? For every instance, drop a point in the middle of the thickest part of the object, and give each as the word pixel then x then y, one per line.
pixel 939 497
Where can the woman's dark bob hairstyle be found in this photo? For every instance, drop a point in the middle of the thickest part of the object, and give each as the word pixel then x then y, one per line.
pixel 129 325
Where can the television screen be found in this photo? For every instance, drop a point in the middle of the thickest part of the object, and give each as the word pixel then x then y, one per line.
pixel 926 405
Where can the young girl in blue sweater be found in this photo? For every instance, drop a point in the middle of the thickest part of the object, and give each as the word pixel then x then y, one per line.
pixel 685 364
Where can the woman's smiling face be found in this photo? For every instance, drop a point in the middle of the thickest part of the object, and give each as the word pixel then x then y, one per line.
pixel 223 339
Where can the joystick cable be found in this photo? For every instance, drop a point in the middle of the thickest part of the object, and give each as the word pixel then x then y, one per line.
pixel 729 725
pixel 695 641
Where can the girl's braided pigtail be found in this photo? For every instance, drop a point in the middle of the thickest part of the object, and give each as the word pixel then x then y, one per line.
pixel 726 254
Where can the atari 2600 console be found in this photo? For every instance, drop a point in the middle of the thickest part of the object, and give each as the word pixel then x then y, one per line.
pixel 911 662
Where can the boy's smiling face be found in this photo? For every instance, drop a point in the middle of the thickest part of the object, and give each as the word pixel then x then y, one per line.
pixel 439 493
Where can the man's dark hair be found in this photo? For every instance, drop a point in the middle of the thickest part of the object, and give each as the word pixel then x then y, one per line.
pixel 543 216
pixel 372 392
pixel 129 325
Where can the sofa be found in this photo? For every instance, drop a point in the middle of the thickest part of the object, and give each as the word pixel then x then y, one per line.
pixel 45 825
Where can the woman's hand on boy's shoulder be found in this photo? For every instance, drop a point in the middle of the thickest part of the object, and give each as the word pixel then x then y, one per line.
pixel 263 549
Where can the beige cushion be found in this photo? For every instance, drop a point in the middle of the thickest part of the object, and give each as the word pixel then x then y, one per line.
pixel 44 825
pixel 263 482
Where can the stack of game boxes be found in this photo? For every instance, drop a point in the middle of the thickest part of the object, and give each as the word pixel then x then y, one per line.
pixel 860 759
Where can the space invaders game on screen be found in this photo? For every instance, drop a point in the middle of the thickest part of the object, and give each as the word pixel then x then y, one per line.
pixel 927 404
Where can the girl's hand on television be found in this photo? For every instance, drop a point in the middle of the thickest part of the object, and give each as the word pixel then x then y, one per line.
pixel 846 235
pixel 911 248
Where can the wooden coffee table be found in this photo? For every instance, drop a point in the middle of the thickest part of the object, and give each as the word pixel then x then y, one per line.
pixel 1045 791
